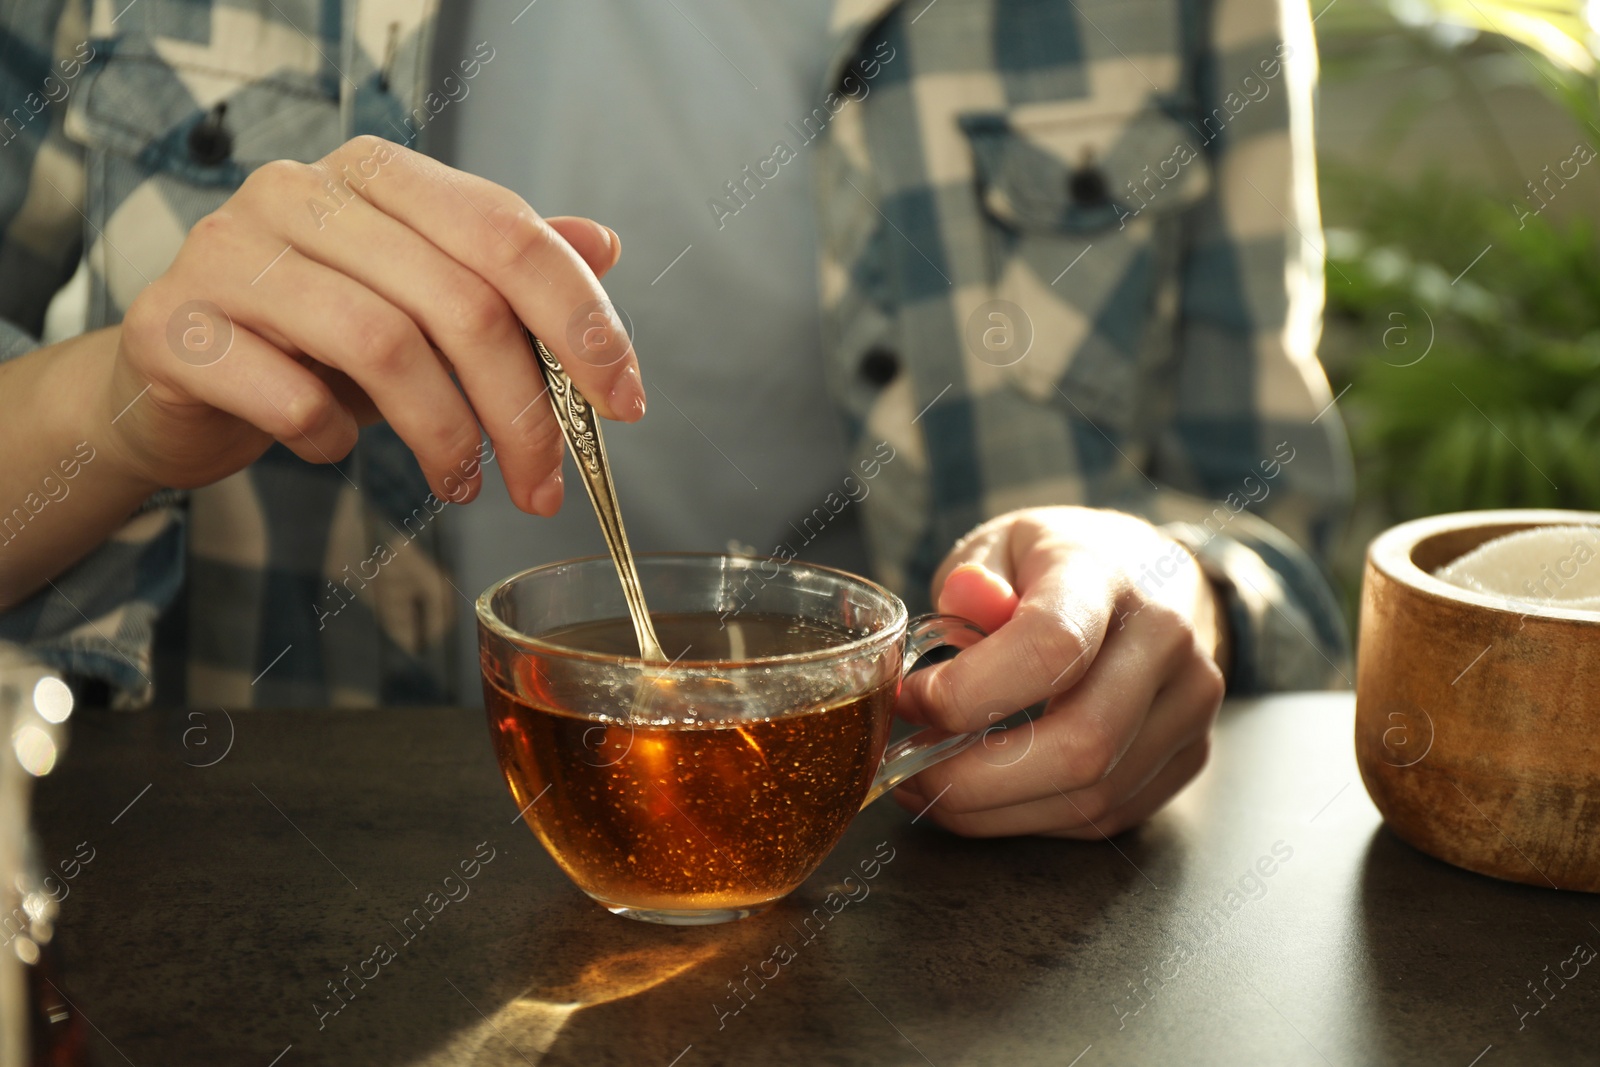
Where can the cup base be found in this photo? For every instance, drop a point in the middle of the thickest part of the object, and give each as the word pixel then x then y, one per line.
pixel 683 917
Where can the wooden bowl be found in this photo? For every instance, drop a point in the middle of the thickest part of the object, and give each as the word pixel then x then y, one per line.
pixel 1478 718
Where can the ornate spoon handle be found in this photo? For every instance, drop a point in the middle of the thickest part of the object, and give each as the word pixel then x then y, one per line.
pixel 582 431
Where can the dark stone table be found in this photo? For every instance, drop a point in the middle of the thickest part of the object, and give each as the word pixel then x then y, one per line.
pixel 220 904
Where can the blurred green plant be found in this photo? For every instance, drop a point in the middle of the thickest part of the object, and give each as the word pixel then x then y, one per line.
pixel 1475 379
pixel 1484 388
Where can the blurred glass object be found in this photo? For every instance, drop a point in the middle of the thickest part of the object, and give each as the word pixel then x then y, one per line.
pixel 38 1026
pixel 52 699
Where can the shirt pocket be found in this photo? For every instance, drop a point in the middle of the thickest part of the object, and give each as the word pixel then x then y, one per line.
pixel 168 138
pixel 1070 167
pixel 1082 207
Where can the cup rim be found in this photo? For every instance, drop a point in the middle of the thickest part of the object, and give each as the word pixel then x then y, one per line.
pixel 488 619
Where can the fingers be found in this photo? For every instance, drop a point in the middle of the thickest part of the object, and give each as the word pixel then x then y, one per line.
pixel 973 591
pixel 599 245
pixel 1093 753
pixel 263 387
pixel 1182 714
pixel 988 544
pixel 471 324
pixel 347 326
pixel 1045 647
pixel 1178 772
pixel 1131 690
pixel 1067 815
pixel 1079 740
pixel 375 291
pixel 495 234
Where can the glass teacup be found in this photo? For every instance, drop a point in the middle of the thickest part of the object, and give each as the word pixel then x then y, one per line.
pixel 702 790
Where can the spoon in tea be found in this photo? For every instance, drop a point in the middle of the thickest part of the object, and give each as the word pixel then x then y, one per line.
pixel 582 431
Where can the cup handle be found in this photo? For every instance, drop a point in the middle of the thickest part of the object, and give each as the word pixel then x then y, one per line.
pixel 928 746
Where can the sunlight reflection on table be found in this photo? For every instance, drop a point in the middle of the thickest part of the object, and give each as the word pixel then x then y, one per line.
pixel 525 1028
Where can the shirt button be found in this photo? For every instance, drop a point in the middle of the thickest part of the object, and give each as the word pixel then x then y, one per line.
pixel 1088 186
pixel 210 143
pixel 879 366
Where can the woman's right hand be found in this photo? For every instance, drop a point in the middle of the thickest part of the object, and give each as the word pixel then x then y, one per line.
pixel 322 297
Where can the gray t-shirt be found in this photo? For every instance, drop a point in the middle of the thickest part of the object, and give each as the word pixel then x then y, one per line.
pixel 637 115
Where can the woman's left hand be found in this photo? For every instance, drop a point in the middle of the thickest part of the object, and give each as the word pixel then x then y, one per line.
pixel 1116 627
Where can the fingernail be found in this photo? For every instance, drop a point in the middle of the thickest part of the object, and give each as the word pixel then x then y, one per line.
pixel 454 490
pixel 546 499
pixel 616 244
pixel 627 396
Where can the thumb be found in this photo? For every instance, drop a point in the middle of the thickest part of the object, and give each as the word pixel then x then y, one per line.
pixel 973 591
pixel 598 244
pixel 976 593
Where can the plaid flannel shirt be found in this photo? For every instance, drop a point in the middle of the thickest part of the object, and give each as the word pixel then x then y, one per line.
pixel 1081 234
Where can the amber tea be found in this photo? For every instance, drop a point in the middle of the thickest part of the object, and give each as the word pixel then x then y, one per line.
pixel 651 806
pixel 701 790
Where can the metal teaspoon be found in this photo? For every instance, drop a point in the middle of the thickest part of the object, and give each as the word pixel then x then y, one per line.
pixel 582 430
